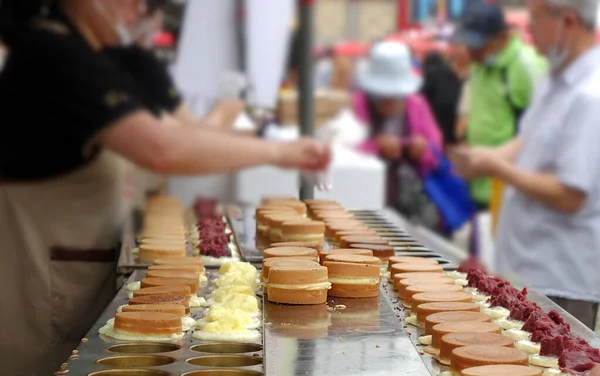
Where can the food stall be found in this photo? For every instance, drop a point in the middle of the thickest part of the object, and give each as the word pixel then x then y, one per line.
pixel 374 335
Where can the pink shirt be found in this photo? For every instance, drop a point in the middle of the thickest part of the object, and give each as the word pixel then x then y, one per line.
pixel 420 122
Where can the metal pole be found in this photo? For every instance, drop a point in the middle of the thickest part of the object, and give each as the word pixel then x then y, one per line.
pixel 306 82
pixel 241 39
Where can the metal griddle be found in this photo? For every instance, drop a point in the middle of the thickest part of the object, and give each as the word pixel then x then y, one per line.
pixel 346 337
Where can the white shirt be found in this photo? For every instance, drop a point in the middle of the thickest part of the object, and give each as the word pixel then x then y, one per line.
pixel 556 253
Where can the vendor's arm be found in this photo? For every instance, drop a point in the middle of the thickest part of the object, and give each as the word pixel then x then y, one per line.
pixel 463 113
pixel 102 108
pixel 545 188
pixel 197 150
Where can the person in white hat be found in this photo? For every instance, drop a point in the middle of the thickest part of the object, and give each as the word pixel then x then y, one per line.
pixel 403 130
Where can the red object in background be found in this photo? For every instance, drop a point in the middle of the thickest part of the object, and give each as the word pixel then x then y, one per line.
pixel 164 39
pixel 307 2
pixel 351 49
pixel 404 19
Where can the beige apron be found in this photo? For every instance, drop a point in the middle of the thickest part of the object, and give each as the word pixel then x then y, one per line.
pixel 57 263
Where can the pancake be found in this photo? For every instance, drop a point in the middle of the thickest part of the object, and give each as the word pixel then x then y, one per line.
pixel 164 290
pixel 383 252
pixel 402 284
pixel 353 276
pixel 308 253
pixel 172 274
pixel 192 283
pixel 427 287
pixel 453 316
pixel 176 309
pixel 438 331
pixel 502 370
pixel 439 297
pixel 410 260
pixel 453 341
pixel 344 251
pixel 149 252
pixel 345 241
pixel 473 356
pixel 178 268
pixel 148 323
pixel 179 261
pixel 415 268
pixel 268 263
pixel 160 299
pixel 313 231
pixel 427 309
pixel 356 232
pixel 298 284
pixel 314 245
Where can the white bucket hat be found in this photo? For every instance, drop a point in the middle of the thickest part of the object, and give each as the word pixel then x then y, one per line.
pixel 388 72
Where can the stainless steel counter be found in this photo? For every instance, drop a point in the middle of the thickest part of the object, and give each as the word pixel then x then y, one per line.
pixel 345 337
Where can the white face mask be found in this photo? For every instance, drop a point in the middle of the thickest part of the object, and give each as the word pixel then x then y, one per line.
pixel 556 56
pixel 126 37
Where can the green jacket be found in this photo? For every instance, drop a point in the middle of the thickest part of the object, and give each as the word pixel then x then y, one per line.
pixel 491 116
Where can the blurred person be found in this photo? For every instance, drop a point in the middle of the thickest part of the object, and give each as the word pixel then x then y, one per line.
pixel 71 116
pixel 402 128
pixel 342 75
pixel 443 82
pixel 549 230
pixel 501 81
pixel 157 88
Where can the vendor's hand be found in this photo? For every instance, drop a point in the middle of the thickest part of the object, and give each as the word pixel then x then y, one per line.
pixel 390 146
pixel 417 146
pixel 305 154
pixel 476 162
pixel 595 371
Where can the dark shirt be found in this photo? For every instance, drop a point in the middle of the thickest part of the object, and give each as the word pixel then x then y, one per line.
pixel 56 95
pixel 442 89
pixel 154 83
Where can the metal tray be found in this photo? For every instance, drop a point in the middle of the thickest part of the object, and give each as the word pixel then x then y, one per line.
pixel 103 356
pixel 345 337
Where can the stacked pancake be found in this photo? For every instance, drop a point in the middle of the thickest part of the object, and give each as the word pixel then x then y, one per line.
pixel 174 272
pixel 284 220
pixel 163 233
pixel 234 313
pixel 286 256
pixel 297 281
pixel 343 251
pixel 156 312
pixel 353 276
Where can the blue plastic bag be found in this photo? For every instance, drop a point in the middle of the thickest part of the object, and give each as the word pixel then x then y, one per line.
pixel 449 193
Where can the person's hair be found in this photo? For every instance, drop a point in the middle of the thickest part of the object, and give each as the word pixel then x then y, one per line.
pixel 156 5
pixel 434 60
pixel 16 14
pixel 585 9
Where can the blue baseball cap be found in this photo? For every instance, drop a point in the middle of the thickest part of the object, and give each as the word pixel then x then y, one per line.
pixel 480 22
